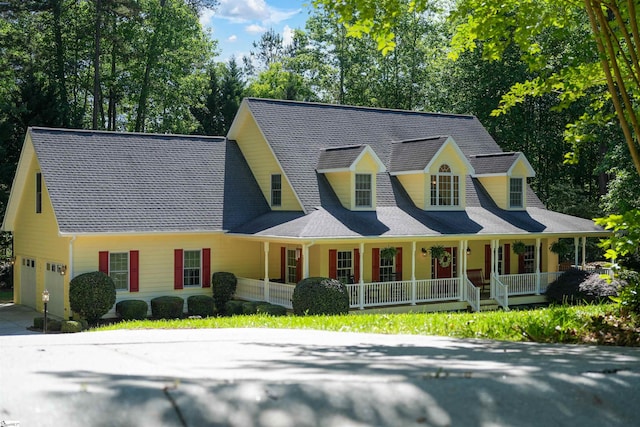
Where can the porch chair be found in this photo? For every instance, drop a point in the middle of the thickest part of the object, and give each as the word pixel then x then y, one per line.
pixel 477 278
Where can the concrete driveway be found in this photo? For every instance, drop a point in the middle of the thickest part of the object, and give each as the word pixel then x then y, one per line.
pixel 265 377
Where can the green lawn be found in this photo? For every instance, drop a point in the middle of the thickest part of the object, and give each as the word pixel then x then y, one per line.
pixel 581 324
pixel 6 295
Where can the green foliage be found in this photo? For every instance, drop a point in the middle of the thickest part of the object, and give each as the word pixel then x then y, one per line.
pixel 250 307
pixel 320 295
pixel 91 295
pixel 71 326
pixel 563 248
pixel 629 297
pixel 200 305
pixel 133 309
pixel 233 308
pixel 223 286
pixel 278 83
pixel 577 287
pixel 271 309
pixel 625 237
pixel 167 307
pixel 53 325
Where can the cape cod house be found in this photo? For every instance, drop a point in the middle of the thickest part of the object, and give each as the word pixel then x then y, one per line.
pixel 295 190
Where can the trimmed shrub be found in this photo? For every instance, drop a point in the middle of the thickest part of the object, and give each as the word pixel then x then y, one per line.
pixel 223 286
pixel 320 295
pixel 70 326
pixel 251 307
pixel 53 325
pixel 271 309
pixel 133 309
pixel 200 305
pixel 92 295
pixel 233 308
pixel 577 286
pixel 167 307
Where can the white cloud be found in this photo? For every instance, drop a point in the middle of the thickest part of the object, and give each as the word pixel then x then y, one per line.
pixel 242 11
pixel 232 38
pixel 255 29
pixel 206 16
pixel 287 36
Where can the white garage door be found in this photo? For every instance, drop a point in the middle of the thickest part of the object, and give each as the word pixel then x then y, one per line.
pixel 54 283
pixel 28 282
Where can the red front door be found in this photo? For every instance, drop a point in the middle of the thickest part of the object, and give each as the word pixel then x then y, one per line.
pixel 444 267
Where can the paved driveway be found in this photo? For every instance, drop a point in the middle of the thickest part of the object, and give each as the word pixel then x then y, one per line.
pixel 265 377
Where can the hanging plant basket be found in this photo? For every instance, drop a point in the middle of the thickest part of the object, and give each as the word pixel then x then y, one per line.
pixel 519 247
pixel 388 252
pixel 438 252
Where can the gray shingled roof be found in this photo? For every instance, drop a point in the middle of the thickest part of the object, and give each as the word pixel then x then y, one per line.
pixel 339 157
pixel 493 163
pixel 125 182
pixel 414 155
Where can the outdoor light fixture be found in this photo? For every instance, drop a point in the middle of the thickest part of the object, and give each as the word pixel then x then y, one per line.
pixel 13 260
pixel 45 300
pixel 62 269
pixel 298 253
pixel 468 251
pixel 424 252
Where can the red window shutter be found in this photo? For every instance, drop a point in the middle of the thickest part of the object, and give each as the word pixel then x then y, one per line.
pixel 333 263
pixel 299 268
pixel 206 267
pixel 487 262
pixel 398 264
pixel 178 274
pixel 103 262
pixel 283 264
pixel 134 276
pixel 520 264
pixel 506 259
pixel 356 265
pixel 375 265
pixel 454 261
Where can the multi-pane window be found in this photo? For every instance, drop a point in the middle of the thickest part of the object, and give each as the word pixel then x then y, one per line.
pixel 292 266
pixel 529 259
pixel 445 188
pixel 119 270
pixel 500 260
pixel 344 270
pixel 515 193
pixel 276 190
pixel 38 192
pixel 387 269
pixel 363 190
pixel 191 268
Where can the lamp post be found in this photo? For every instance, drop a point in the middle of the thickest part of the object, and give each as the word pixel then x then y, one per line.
pixel 45 300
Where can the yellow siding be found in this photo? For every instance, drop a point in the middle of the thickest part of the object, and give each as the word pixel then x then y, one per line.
pixel 450 156
pixel 367 164
pixel 416 185
pixel 343 185
pixel 263 163
pixel 36 234
pixel 520 169
pixel 497 187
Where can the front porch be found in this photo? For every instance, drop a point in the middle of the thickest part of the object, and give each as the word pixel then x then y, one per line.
pixel 434 292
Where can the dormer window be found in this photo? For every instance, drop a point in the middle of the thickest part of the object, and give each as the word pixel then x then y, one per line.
pixel 276 190
pixel 515 193
pixel 445 187
pixel 363 190
pixel 38 192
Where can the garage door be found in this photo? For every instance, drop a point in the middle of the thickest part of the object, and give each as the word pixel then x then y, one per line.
pixel 28 282
pixel 54 283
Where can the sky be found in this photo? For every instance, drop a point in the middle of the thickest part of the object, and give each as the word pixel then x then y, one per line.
pixel 237 23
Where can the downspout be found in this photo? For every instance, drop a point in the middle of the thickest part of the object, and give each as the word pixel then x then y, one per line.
pixel 70 267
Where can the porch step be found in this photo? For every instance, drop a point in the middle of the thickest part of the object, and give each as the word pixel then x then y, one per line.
pixel 489 305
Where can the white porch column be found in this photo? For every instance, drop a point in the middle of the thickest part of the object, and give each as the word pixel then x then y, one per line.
pixel 536 260
pixel 461 259
pixel 575 252
pixel 413 273
pixel 361 281
pixel 265 246
pixel 305 261
pixel 584 252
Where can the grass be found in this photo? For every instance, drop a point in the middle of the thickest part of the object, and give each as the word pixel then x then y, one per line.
pixel 6 295
pixel 554 324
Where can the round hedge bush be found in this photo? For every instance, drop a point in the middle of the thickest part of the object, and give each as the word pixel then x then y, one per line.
pixel 132 309
pixel 200 305
pixel 223 286
pixel 167 307
pixel 577 286
pixel 233 307
pixel 91 295
pixel 271 309
pixel 320 295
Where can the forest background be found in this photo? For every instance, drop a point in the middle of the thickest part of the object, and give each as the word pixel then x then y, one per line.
pixel 149 66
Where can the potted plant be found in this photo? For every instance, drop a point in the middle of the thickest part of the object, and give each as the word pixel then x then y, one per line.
pixel 388 253
pixel 519 247
pixel 438 252
pixel 563 249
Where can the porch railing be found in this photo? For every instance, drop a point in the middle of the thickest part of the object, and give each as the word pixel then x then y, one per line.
pixel 520 284
pixel 472 295
pixel 500 292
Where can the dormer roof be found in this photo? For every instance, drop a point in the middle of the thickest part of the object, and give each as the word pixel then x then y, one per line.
pixel 499 164
pixel 418 155
pixel 345 158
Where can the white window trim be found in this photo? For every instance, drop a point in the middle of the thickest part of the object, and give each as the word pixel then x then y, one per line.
pixel 522 192
pixel 184 267
pixel 128 288
pixel 371 191
pixel 273 204
pixel 350 269
pixel 434 181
